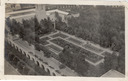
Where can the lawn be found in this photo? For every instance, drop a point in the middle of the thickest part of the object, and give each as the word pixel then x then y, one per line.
pixel 54 48
pixel 75 41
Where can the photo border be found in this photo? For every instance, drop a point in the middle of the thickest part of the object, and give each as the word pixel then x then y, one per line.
pixel 58 78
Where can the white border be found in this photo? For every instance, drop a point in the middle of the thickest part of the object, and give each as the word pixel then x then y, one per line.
pixel 58 78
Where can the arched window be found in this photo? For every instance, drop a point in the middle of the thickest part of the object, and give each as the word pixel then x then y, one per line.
pixel 16 47
pixel 48 71
pixel 24 53
pixel 28 56
pixel 37 63
pixel 20 50
pixel 33 60
pixel 54 74
pixel 43 67
pixel 13 45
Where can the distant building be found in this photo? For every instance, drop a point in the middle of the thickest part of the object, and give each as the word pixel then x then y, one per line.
pixel 63 14
pixel 51 14
pixel 41 13
pixel 18 7
pixel 51 7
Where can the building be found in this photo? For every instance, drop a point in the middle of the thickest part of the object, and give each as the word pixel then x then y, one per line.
pixel 52 15
pixel 63 14
pixel 41 13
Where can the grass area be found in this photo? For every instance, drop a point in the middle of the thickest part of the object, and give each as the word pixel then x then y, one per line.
pixel 77 50
pixel 93 48
pixel 75 41
pixel 59 35
pixel 55 48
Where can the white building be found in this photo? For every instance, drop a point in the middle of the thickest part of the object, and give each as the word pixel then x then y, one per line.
pixel 41 13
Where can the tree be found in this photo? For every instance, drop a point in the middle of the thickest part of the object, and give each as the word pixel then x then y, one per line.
pixel 37 26
pixel 21 33
pixel 14 27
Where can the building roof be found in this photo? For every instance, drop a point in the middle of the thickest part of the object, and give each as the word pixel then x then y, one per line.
pixel 56 10
pixel 113 73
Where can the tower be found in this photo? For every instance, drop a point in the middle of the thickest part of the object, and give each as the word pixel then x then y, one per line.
pixel 40 12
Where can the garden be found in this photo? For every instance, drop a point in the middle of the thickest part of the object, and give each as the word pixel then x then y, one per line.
pixel 77 50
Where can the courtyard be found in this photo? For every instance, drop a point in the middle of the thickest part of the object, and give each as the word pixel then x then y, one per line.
pixel 57 41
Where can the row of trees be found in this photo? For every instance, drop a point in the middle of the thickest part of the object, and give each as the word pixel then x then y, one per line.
pixel 14 57
pixel 30 30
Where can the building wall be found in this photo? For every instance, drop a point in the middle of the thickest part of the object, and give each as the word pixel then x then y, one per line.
pixel 53 18
pixel 25 17
pixel 35 59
